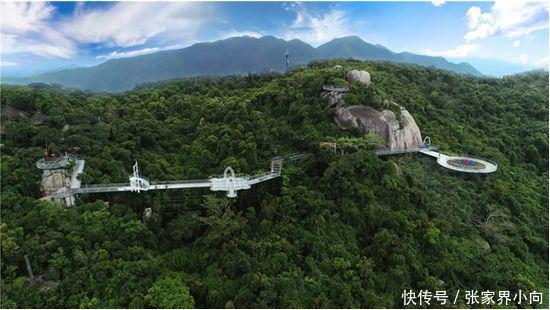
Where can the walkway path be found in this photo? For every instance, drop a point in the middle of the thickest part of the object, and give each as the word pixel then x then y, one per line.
pixel 483 165
pixel 77 170
pixel 228 182
pixel 461 163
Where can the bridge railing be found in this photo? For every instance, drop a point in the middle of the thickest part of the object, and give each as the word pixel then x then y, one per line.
pixel 59 163
pixel 180 182
pixel 97 187
pixel 104 184
pixel 401 151
pixel 237 175
pixel 50 165
pixel 73 156
pixel 335 88
pixel 263 175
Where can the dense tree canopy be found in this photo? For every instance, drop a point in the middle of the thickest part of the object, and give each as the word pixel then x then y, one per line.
pixel 351 230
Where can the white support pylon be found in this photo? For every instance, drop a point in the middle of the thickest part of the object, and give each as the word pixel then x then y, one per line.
pixel 137 183
pixel 229 183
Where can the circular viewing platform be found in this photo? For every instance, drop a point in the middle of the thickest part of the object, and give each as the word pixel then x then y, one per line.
pixel 466 163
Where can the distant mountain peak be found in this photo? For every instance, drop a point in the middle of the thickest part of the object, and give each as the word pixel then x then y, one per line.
pixel 235 55
pixel 349 38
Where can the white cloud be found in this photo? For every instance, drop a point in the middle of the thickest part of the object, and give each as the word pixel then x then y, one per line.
pixel 24 28
pixel 438 2
pixel 235 33
pixel 531 37
pixel 5 63
pixel 128 24
pixel 517 43
pixel 523 59
pixel 124 54
pixel 474 17
pixel 507 18
pixel 21 17
pixel 35 28
pixel 543 62
pixel 316 29
pixel 460 51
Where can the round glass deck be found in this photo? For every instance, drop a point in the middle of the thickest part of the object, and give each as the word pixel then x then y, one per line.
pixel 467 164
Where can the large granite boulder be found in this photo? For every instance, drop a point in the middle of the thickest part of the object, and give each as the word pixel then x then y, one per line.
pixel 359 76
pixel 403 134
pixel 54 181
pixel 397 136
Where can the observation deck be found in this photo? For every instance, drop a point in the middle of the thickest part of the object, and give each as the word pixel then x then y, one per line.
pixel 338 89
pixel 53 163
pixel 460 163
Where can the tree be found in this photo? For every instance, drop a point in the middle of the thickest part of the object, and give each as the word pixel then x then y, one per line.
pixel 170 293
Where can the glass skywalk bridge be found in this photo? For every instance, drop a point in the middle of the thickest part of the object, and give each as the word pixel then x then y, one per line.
pixel 229 182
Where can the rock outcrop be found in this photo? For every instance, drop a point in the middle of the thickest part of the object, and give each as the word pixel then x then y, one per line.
pixel 147 213
pixel 398 134
pixel 55 181
pixel 359 76
pixel 333 99
pixel 39 118
pixel 384 124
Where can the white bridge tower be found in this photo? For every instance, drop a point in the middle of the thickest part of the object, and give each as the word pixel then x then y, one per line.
pixel 229 183
pixel 138 183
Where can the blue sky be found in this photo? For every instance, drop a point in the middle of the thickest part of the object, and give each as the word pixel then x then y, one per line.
pixel 498 38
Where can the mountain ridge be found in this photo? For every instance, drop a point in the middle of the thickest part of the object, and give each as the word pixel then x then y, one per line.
pixel 239 55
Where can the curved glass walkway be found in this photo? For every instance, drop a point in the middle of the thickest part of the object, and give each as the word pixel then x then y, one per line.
pixel 461 163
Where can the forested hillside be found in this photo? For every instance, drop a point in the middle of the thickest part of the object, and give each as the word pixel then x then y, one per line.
pixel 351 230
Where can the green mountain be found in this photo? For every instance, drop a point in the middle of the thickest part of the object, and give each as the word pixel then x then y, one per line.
pixel 349 230
pixel 238 55
pixel 355 48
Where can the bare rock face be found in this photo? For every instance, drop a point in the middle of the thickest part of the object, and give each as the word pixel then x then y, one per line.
pixel 359 76
pixel 403 134
pixel 346 118
pixel 384 124
pixel 55 181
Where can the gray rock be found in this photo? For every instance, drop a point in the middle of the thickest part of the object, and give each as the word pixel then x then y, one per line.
pixel 397 135
pixel 345 118
pixel 54 181
pixel 397 169
pixel 485 246
pixel 333 99
pixel 384 124
pixel 147 213
pixel 359 76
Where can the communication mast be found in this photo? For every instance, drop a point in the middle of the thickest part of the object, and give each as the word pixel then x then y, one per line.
pixel 287 59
